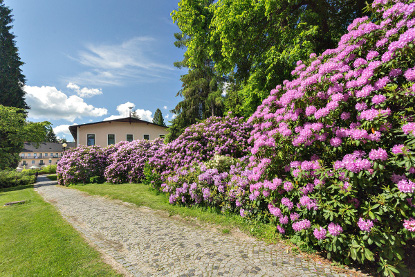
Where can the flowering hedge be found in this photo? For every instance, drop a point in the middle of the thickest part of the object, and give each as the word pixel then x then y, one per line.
pixel 126 164
pixel 333 149
pixel 200 142
pixel 332 159
pixel 83 164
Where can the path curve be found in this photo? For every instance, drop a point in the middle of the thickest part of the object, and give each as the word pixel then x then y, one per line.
pixel 147 244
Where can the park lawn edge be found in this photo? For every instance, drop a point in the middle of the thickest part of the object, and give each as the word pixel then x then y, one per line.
pixel 37 241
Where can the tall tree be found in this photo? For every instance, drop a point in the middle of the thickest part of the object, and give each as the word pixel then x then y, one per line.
pixel 51 136
pixel 11 78
pixel 202 85
pixel 158 118
pixel 258 42
pixel 14 131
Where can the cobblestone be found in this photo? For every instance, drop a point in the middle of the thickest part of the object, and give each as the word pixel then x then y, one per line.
pixel 146 243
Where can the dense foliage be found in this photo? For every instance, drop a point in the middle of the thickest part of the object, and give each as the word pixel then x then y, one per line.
pixel 12 178
pixel 83 164
pixel 255 44
pixel 158 118
pixel 14 131
pixel 200 142
pixel 333 149
pixel 126 164
pixel 11 77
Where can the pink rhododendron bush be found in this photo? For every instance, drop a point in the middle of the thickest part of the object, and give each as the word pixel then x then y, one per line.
pixel 333 149
pixel 83 164
pixel 126 164
pixel 332 160
pixel 199 143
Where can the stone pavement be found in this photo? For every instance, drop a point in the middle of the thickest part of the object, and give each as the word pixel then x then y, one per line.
pixel 146 243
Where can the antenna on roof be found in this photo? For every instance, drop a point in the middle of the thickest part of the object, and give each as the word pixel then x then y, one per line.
pixel 131 108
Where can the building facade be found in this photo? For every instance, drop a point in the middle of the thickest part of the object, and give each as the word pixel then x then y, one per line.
pixel 46 153
pixel 109 132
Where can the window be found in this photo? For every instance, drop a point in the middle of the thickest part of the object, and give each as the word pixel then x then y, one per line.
pixel 41 162
pixel 46 154
pixel 50 161
pixel 33 161
pixel 147 137
pixel 162 136
pixel 28 154
pixel 90 139
pixel 130 137
pixel 111 139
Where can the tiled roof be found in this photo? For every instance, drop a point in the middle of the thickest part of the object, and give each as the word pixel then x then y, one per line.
pixel 46 147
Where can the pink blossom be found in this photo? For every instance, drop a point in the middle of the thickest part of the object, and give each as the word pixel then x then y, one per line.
pixel 320 233
pixel 335 229
pixel 406 186
pixel 365 225
pixel 409 225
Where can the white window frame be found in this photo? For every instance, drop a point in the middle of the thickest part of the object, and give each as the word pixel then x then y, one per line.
pixel 144 137
pixel 115 139
pixel 126 137
pixel 162 136
pixel 95 139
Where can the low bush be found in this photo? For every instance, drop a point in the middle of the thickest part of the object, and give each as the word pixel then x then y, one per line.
pixel 227 136
pixel 127 162
pixel 49 169
pixel 82 164
pixel 11 178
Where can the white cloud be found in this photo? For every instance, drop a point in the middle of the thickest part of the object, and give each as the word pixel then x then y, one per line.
pixel 62 130
pixel 84 92
pixel 132 60
pixel 124 111
pixel 50 103
pixel 165 107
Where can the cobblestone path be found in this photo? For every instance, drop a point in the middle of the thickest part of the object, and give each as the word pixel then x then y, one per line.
pixel 147 243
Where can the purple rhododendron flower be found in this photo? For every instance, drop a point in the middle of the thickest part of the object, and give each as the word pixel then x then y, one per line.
pixel 365 225
pixel 320 233
pixel 335 229
pixel 409 225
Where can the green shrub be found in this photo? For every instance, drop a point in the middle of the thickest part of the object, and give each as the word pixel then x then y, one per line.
pixel 11 178
pixel 50 169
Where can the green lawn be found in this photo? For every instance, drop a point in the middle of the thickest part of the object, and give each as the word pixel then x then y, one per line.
pixel 141 195
pixel 52 177
pixel 36 241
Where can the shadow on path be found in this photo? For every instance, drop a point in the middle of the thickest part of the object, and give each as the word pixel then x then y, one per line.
pixel 43 181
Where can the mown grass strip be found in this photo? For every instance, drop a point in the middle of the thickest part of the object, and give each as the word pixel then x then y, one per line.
pixel 142 195
pixel 52 177
pixel 36 241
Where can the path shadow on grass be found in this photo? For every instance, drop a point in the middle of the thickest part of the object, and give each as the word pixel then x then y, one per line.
pixel 15 188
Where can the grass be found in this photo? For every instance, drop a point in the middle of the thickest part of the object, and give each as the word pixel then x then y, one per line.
pixel 52 177
pixel 36 241
pixel 142 195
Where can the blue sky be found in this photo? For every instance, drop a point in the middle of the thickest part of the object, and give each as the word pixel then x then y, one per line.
pixel 88 60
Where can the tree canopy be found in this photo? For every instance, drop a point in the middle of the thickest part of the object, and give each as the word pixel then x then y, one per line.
pixel 258 42
pixel 158 118
pixel 14 131
pixel 51 136
pixel 11 78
